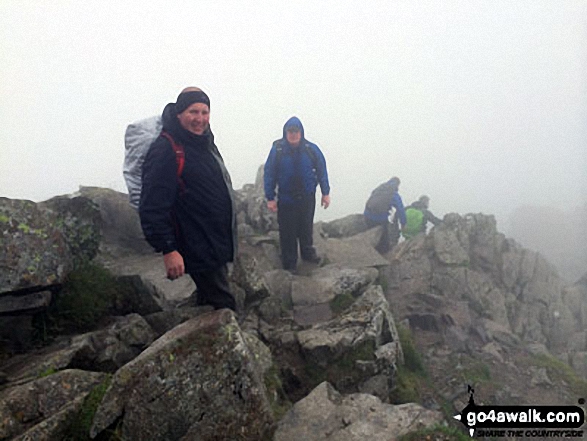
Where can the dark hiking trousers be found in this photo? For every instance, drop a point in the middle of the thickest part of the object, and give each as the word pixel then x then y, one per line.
pixel 296 224
pixel 213 288
pixel 389 235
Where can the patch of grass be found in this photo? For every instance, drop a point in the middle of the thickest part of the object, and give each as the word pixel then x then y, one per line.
pixel 47 372
pixel 412 359
pixel 408 386
pixel 476 373
pixel 87 294
pixel 411 377
pixel 438 432
pixel 341 302
pixel 277 397
pixel 79 430
pixel 558 370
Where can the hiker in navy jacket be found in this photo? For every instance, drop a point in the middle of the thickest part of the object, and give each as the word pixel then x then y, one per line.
pixel 377 209
pixel 190 216
pixel 296 166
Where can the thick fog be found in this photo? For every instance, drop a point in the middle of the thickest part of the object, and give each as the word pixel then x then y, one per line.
pixel 482 105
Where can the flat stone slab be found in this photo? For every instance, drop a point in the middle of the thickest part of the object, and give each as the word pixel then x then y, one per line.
pixel 151 270
pixel 24 304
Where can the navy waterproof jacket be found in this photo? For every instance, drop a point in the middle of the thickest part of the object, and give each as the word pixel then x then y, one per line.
pixel 394 201
pixel 293 176
pixel 198 221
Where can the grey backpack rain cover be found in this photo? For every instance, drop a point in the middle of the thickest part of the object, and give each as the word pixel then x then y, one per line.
pixel 138 138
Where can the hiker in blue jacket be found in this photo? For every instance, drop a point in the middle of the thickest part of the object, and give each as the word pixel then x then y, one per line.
pixel 377 210
pixel 188 213
pixel 295 166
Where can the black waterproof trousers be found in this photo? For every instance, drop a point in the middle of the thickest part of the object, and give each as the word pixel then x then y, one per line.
pixel 296 224
pixel 212 288
pixel 389 235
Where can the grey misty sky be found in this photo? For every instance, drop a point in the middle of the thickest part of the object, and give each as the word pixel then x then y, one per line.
pixel 480 104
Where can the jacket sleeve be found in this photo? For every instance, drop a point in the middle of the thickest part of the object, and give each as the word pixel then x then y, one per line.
pixel 269 177
pixel 397 202
pixel 322 172
pixel 158 195
pixel 431 218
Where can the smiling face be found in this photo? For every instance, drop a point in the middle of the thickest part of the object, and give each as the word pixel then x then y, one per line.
pixel 196 118
pixel 293 136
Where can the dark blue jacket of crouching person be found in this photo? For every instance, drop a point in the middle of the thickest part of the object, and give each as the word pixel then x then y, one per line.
pixel 194 215
pixel 382 200
pixel 294 176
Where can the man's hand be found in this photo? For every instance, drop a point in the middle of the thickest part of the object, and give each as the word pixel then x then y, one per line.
pixel 272 206
pixel 325 201
pixel 174 265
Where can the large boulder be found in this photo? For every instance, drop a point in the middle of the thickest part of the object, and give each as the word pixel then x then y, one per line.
pixel 358 350
pixel 355 251
pixel 44 407
pixel 198 381
pixel 41 243
pixel 316 298
pixel 252 206
pixel 326 415
pixel 465 271
pixel 120 224
pixel 345 227
pixel 103 350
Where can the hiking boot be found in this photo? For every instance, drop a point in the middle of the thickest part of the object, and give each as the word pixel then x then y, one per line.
pixel 312 259
pixel 292 270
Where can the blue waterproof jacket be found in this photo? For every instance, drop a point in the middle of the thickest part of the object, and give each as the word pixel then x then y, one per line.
pixel 292 170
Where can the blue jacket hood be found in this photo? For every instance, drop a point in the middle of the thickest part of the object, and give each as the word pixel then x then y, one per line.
pixel 293 121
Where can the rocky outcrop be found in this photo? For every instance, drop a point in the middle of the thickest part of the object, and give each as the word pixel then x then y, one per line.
pixel 43 409
pixel 251 207
pixel 103 350
pixel 190 373
pixel 41 243
pixel 198 381
pixel 325 414
pixel 357 351
pixel 467 274
pixel 347 226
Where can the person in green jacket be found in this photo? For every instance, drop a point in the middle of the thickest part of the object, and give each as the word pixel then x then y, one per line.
pixel 417 218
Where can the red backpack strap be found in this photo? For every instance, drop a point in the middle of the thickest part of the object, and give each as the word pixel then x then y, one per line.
pixel 179 158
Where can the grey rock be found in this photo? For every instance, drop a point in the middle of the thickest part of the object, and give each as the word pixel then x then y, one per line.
pixel 353 252
pixel 39 245
pixel 163 321
pixel 150 270
pixel 339 347
pixel 345 227
pixel 104 350
pixel 198 381
pixel 325 414
pixel 25 303
pixel 25 406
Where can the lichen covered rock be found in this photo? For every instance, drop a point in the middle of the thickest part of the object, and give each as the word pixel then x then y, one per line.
pixel 198 381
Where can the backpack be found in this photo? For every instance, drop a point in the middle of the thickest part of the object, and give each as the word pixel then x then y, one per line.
pixel 414 222
pixel 380 200
pixel 279 153
pixel 137 139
